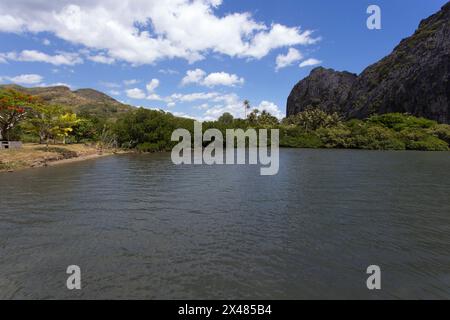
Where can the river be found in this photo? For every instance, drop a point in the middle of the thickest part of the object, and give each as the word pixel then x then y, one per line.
pixel 140 227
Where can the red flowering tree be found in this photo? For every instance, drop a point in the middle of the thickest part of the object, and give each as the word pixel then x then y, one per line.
pixel 14 107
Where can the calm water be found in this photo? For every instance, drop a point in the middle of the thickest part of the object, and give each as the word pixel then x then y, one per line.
pixel 140 227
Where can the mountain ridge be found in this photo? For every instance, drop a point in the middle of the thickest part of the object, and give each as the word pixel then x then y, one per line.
pixel 414 78
pixel 86 101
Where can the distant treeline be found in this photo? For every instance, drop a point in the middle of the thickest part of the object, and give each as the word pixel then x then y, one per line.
pixel 28 119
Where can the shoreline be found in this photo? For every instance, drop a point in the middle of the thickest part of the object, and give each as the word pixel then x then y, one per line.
pixel 38 156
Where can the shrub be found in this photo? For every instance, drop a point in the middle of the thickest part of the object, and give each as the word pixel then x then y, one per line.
pixel 377 138
pixel 423 141
pixel 336 137
pixel 399 121
pixel 441 131
pixel 148 147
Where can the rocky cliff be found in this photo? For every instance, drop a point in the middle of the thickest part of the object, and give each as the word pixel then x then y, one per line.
pixel 414 78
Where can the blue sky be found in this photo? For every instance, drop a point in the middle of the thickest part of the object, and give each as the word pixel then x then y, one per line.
pixel 195 58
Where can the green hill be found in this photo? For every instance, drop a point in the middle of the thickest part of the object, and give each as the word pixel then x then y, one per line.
pixel 83 101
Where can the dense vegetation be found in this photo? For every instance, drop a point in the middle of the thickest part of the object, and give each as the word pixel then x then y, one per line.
pixel 29 119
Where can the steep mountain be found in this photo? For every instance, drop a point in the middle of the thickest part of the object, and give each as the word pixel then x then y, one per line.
pixel 326 88
pixel 86 101
pixel 414 78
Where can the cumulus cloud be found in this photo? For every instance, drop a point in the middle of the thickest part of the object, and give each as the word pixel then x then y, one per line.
pixel 152 85
pixel 143 32
pixel 288 59
pixel 26 79
pixel 272 108
pixel 135 93
pixel 62 58
pixel 193 76
pixel 222 79
pixel 310 62
pixel 200 77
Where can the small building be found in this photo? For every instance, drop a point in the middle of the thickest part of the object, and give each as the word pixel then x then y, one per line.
pixel 10 145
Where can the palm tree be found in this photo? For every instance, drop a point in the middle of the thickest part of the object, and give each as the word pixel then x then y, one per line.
pixel 247 106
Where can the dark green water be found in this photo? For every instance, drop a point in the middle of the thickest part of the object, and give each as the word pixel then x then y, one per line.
pixel 140 227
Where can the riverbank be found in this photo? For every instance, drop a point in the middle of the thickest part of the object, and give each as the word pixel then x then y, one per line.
pixel 36 155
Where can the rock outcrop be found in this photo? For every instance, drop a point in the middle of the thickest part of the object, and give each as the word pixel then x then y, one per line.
pixel 324 88
pixel 414 78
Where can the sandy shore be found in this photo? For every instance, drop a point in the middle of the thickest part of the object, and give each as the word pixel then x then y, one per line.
pixel 35 156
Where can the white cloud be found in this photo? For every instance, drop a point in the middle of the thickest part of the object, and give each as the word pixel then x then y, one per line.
pixel 215 104
pixel 154 97
pixel 130 82
pixel 200 77
pixel 152 85
pixel 278 36
pixel 234 105
pixel 135 94
pixel 111 85
pixel 63 58
pixel 184 115
pixel 222 79
pixel 114 92
pixel 100 58
pixel 193 76
pixel 168 71
pixel 27 79
pixel 289 59
pixel 143 32
pixel 46 42
pixel 310 62
pixel 272 108
pixel 190 97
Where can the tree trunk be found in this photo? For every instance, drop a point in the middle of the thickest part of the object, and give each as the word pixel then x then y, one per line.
pixel 4 132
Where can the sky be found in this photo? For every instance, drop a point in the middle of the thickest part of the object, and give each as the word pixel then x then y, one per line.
pixel 196 58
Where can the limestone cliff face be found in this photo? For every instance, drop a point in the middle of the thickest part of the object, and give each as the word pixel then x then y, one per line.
pixel 324 88
pixel 414 78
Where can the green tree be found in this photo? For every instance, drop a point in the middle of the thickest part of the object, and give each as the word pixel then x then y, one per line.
pixel 49 122
pixel 247 107
pixel 313 118
pixel 265 119
pixel 226 119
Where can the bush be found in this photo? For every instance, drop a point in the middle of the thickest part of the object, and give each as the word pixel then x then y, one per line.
pixel 304 140
pixel 149 147
pixel 423 141
pixel 441 131
pixel 399 121
pixel 377 138
pixel 336 137
pixel 428 143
